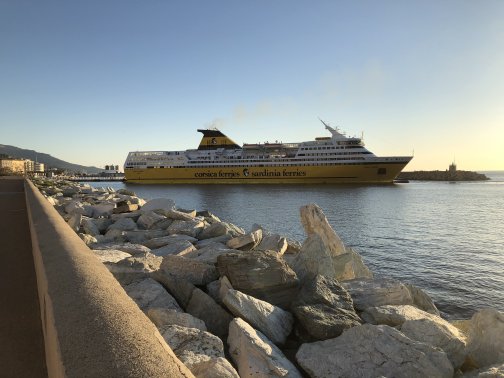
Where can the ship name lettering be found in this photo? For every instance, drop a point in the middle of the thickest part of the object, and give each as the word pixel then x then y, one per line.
pixel 266 173
pixel 297 173
pixel 228 174
pixel 205 174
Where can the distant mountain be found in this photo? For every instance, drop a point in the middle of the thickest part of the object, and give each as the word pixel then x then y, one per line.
pixel 48 160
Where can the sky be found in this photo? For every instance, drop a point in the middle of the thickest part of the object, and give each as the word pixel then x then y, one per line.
pixel 89 81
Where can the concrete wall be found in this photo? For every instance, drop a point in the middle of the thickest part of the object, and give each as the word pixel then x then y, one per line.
pixel 91 327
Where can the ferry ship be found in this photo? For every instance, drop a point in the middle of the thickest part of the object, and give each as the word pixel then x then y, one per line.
pixel 332 159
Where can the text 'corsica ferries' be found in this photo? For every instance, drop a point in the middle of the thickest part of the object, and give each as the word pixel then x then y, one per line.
pixel 219 160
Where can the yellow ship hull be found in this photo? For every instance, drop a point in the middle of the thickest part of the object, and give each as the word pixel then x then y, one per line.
pixel 301 174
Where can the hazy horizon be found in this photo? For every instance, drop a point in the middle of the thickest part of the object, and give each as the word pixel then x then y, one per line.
pixel 88 82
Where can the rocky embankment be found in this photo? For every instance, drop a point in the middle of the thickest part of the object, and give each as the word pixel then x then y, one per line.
pixel 236 303
pixel 442 176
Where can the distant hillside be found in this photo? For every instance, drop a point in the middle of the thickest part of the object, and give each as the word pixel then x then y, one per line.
pixel 48 160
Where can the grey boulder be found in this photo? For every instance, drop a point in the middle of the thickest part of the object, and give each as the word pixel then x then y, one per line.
pixel 373 351
pixel 148 293
pixel 271 320
pixel 261 274
pixel 255 355
pixel 377 292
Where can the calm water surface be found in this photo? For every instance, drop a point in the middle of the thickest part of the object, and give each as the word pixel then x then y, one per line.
pixel 445 238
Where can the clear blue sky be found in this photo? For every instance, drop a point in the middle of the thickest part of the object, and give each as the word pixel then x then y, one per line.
pixel 88 81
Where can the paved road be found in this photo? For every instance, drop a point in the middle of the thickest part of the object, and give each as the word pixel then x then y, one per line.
pixel 21 340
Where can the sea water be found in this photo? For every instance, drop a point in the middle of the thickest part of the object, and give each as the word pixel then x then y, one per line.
pixel 447 238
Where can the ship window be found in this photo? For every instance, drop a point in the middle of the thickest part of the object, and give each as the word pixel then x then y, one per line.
pixel 382 171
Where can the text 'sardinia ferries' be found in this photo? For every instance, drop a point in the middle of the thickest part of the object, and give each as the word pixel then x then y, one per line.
pixel 219 160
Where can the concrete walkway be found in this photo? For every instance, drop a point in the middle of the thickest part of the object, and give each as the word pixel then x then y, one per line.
pixel 21 340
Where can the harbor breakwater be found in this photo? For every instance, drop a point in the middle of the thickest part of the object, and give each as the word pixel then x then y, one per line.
pixel 234 303
pixel 447 175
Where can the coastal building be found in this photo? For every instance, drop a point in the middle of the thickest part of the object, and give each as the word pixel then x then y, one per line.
pixel 29 165
pixel 111 170
pixel 38 167
pixel 16 166
pixel 34 167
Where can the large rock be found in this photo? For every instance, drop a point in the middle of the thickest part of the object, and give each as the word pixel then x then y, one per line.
pixel 110 255
pixel 140 236
pixel 377 292
pixel 255 355
pixel 485 338
pixel 218 289
pixel 315 258
pixel 133 249
pixel 393 315
pixel 163 317
pixel 494 371
pixel 112 236
pixel 124 224
pixel 75 221
pixel 438 333
pixel 90 227
pixel 219 229
pixel 177 247
pixel 245 242
pixel 214 230
pixel 146 263
pixel 179 215
pixel 323 252
pixel 210 253
pixel 148 293
pixel 133 215
pixel 193 346
pixel 102 209
pixel 202 306
pixel 271 320
pixel 74 207
pixel 261 274
pixel 70 191
pixel 321 322
pixel 134 268
pixel 191 228
pixel 196 272
pixel 180 288
pixel 164 240
pixel 373 351
pixel 126 192
pixel 125 208
pixel 218 239
pixel 148 219
pixel 102 224
pixel 324 290
pixel 422 300
pixel 315 223
pixel 273 242
pixel 215 368
pixel 209 216
pixel 162 224
pixel 225 285
pixel 324 309
pixel 158 204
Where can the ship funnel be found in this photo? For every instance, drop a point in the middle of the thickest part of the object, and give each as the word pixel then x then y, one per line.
pixel 213 139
